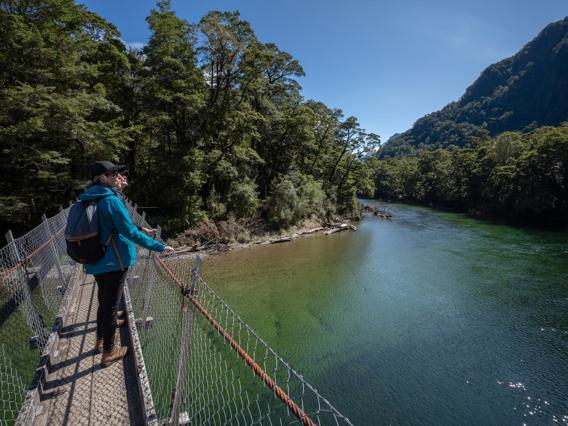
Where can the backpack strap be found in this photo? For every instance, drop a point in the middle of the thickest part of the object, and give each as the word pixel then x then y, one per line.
pixel 117 253
pixel 110 239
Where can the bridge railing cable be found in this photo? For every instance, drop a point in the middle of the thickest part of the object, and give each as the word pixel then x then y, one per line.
pixel 35 276
pixel 224 372
pixel 204 364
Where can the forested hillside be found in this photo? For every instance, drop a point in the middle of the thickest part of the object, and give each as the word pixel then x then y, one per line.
pixel 520 93
pixel 209 119
pixel 521 178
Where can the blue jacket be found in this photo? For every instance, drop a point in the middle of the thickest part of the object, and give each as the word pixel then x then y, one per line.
pixel 113 215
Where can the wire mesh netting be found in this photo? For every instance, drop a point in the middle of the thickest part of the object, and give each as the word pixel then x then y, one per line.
pixel 12 389
pixel 35 273
pixel 204 364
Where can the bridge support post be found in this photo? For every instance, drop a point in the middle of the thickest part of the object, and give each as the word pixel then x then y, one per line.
pixel 55 255
pixel 149 287
pixel 20 289
pixel 188 312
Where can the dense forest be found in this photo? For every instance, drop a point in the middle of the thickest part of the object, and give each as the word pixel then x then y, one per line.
pixel 522 178
pixel 501 151
pixel 209 120
pixel 520 93
pixel 212 125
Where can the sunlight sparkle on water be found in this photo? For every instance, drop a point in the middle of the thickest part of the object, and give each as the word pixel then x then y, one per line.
pixel 532 406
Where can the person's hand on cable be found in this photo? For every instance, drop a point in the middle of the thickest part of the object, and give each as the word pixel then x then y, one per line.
pixel 169 249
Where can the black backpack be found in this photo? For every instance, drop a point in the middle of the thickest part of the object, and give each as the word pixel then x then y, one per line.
pixel 82 233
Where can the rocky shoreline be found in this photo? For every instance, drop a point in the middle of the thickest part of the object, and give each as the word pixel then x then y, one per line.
pixel 260 239
pixel 211 238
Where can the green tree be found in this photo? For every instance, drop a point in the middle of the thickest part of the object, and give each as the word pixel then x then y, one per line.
pixel 210 120
pixel 172 93
pixel 243 198
pixel 55 112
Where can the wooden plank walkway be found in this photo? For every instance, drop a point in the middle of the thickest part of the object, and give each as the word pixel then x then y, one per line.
pixel 77 391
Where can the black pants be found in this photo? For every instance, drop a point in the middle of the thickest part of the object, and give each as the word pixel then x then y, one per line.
pixel 110 285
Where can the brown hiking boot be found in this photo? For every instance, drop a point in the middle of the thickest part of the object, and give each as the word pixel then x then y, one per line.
pixel 116 354
pixel 120 322
pixel 99 345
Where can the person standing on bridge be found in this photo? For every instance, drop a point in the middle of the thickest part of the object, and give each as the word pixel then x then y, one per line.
pixel 110 271
pixel 121 184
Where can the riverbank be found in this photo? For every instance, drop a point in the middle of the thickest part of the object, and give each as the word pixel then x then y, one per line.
pixel 482 213
pixel 212 238
pixel 350 313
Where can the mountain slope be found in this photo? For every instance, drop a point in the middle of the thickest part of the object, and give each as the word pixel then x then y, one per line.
pixel 525 91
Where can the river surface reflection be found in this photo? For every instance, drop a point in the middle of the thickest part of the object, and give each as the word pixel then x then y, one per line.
pixel 431 318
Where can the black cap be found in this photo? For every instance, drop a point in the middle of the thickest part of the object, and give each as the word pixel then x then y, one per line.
pixel 101 167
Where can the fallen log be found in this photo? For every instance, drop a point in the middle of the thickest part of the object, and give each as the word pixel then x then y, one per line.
pixel 382 213
pixel 311 231
pixel 342 227
pixel 281 240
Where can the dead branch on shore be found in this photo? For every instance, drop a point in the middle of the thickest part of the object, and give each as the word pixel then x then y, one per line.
pixel 376 211
pixel 225 235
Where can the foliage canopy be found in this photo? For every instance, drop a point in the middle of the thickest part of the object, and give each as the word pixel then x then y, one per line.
pixel 209 119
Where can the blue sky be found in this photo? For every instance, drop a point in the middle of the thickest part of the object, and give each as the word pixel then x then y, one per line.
pixel 386 62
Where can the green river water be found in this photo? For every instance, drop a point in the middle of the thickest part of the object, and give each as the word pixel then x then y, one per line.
pixel 431 318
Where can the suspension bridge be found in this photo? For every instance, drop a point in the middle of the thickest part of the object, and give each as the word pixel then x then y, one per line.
pixel 192 360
